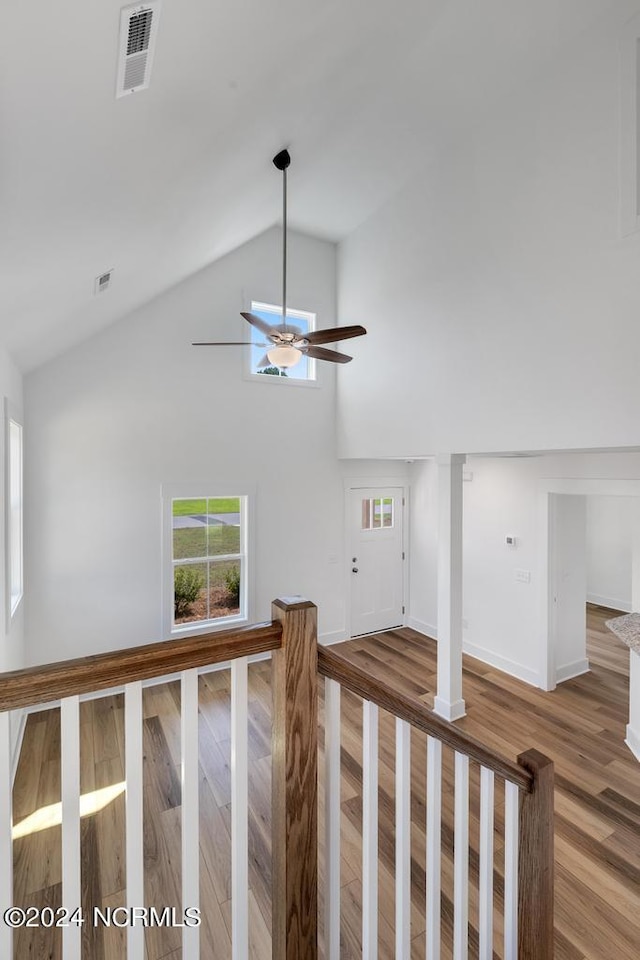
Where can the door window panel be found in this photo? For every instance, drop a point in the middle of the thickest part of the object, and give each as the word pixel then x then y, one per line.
pixel 377 513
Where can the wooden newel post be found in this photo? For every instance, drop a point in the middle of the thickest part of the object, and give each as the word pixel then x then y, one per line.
pixel 295 782
pixel 535 861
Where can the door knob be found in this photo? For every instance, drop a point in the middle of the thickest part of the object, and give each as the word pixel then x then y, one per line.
pixel 354 569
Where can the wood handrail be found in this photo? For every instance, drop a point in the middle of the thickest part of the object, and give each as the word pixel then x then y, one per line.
pixel 337 668
pixel 35 685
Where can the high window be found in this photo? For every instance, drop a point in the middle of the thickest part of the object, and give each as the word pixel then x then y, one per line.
pixel 208 561
pixel 14 504
pixel 305 369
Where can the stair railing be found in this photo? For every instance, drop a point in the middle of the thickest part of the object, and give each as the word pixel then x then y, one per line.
pixel 297 661
pixel 291 638
pixel 528 836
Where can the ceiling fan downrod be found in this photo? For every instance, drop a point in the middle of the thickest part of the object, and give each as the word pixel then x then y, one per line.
pixel 287 345
pixel 281 161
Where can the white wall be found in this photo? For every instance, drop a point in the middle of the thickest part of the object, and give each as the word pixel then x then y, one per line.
pixel 136 407
pixel 12 652
pixel 11 633
pixel 609 551
pixel 568 584
pixel 501 303
pixel 500 611
pixel 506 618
pixel 423 531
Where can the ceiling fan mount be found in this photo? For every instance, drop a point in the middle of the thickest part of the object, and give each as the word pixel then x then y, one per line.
pixel 282 159
pixel 287 344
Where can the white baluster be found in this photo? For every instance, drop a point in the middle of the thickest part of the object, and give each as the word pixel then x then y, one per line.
pixel 403 840
pixel 332 819
pixel 369 830
pixel 6 823
pixel 511 829
pixel 485 919
pixel 239 811
pixel 190 809
pixel 461 860
pixel 434 815
pixel 133 813
pixel 70 763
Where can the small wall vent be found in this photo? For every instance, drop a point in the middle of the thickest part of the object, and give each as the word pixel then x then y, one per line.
pixel 103 282
pixel 138 28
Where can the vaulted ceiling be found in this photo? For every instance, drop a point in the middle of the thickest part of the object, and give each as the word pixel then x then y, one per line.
pixel 158 184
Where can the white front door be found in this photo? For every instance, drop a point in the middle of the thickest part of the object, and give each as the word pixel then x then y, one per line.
pixel 376 559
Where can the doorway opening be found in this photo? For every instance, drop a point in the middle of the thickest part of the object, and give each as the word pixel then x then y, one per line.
pixel 377 557
pixel 593 561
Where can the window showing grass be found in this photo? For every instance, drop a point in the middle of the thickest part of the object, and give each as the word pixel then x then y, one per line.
pixel 182 508
pixel 208 559
pixel 205 541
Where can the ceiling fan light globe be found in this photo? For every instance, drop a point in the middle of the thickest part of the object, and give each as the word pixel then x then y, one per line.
pixel 284 357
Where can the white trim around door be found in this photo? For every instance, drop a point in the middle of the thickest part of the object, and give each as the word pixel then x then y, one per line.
pixel 359 487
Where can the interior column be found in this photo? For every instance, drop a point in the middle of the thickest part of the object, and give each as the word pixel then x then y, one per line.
pixel 448 702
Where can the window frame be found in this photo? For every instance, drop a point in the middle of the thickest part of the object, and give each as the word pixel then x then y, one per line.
pixel 369 513
pixel 193 491
pixel 292 313
pixel 14 513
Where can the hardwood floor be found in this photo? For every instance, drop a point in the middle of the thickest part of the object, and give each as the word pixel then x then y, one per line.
pixel 580 726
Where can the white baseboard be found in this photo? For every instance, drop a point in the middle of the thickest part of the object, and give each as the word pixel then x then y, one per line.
pixel 335 636
pixel 449 711
pixel 427 628
pixel 633 741
pixel 517 670
pixel 569 670
pixel 17 745
pixel 514 669
pixel 623 605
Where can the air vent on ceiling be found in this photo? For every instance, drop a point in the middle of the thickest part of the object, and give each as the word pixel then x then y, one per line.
pixel 138 28
pixel 103 282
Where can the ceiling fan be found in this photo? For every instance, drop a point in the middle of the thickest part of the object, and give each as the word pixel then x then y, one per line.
pixel 287 344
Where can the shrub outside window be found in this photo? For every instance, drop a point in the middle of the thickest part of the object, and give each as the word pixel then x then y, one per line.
pixel 208 543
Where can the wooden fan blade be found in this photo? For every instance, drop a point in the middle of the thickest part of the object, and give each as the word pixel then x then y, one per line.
pixel 258 322
pixel 333 334
pixel 321 353
pixel 226 343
